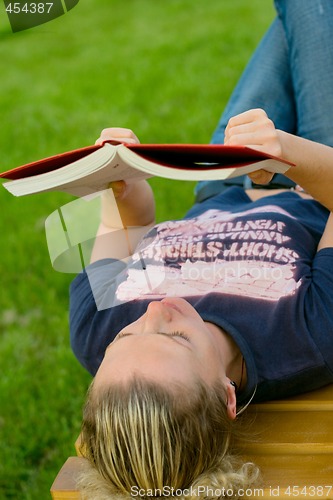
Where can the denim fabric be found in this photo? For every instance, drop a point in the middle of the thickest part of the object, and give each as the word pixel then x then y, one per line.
pixel 290 75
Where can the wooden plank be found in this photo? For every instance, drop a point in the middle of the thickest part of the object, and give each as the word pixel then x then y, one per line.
pixel 64 485
pixel 313 474
pixel 291 427
pixel 283 476
pixel 321 399
pixel 287 449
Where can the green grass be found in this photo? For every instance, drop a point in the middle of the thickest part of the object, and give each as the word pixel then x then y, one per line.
pixel 164 69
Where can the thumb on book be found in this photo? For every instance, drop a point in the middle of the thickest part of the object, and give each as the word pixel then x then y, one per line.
pixel 261 176
pixel 118 188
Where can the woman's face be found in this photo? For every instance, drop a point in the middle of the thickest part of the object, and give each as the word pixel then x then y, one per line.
pixel 169 343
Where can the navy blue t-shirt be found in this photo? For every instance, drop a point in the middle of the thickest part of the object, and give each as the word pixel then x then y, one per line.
pixel 251 268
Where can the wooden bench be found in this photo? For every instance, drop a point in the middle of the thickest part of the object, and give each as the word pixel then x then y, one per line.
pixel 293 447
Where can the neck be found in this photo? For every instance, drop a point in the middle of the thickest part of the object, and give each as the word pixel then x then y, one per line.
pixel 231 355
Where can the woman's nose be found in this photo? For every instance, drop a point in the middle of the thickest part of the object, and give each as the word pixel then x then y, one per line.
pixel 157 315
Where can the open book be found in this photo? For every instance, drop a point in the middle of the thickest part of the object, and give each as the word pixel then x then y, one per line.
pixel 88 170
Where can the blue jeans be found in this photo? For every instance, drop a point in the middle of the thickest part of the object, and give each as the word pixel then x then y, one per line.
pixel 290 76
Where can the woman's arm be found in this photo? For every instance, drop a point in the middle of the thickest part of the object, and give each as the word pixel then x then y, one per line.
pixel 314 161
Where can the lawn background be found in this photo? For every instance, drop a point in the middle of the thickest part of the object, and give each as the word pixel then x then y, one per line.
pixel 164 69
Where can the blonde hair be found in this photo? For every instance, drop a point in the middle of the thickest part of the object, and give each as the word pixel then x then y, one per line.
pixel 144 438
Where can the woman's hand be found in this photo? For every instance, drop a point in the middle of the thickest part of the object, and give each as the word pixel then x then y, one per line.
pixel 135 201
pixel 118 134
pixel 254 129
pixel 124 135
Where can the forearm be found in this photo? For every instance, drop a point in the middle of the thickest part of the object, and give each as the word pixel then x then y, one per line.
pixel 127 212
pixel 314 166
pixel 135 203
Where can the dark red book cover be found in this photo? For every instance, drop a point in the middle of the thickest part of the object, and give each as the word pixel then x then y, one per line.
pixel 177 155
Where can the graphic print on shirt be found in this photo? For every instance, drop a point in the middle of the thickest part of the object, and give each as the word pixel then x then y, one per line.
pixel 245 254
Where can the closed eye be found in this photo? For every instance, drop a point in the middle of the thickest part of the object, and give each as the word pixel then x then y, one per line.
pixel 171 334
pixel 179 334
